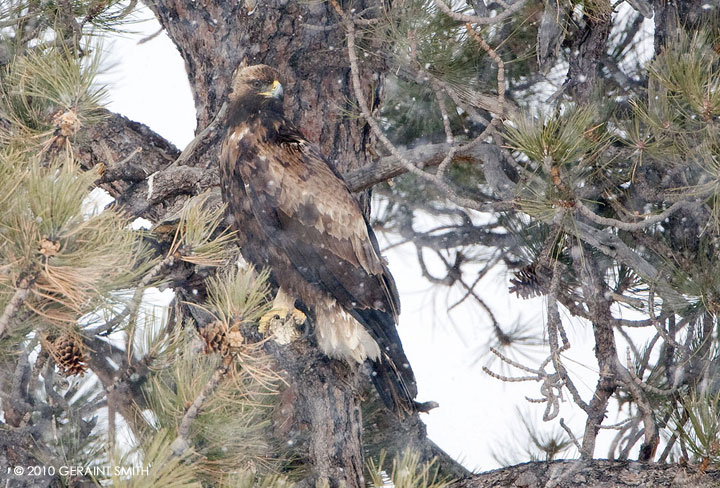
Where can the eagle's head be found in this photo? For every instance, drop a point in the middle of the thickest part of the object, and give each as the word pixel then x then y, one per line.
pixel 257 87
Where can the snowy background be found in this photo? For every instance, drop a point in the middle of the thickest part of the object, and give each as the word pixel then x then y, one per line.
pixel 478 415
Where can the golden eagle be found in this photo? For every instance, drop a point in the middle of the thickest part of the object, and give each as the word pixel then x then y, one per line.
pixel 295 215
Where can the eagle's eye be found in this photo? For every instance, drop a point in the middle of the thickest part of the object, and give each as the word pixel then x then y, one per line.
pixel 257 84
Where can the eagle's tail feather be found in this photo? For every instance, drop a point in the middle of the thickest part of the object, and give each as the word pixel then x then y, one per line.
pixel 392 375
pixel 397 393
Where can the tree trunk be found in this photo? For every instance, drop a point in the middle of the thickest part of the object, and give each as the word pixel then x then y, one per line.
pixel 320 410
pixel 306 44
pixel 303 40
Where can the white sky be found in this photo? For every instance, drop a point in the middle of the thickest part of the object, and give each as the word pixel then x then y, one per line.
pixel 477 414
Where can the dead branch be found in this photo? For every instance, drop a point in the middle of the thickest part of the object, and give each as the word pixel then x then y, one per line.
pixel 593 473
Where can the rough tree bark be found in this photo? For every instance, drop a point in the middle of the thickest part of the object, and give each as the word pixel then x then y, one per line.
pixel 305 43
pixel 301 39
pixel 597 473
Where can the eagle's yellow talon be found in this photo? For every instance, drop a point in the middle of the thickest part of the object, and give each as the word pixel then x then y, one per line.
pixel 298 316
pixel 279 321
pixel 264 322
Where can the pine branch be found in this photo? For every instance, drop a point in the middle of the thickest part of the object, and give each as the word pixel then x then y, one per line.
pixel 570 434
pixel 131 309
pixel 647 222
pixel 510 10
pixel 182 443
pixel 436 180
pixel 22 291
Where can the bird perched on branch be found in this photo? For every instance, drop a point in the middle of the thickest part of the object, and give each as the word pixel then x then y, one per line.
pixel 295 215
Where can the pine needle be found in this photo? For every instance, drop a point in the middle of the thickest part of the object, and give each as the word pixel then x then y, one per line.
pixel 199 239
pixel 407 472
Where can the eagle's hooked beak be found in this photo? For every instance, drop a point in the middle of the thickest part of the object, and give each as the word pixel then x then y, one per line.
pixel 275 91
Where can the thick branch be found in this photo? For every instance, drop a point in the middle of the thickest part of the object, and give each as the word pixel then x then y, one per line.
pixel 113 141
pixel 594 288
pixel 588 48
pixel 141 168
pixel 425 156
pixel 593 473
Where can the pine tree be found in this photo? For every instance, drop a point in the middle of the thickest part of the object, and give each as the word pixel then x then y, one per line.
pixel 557 139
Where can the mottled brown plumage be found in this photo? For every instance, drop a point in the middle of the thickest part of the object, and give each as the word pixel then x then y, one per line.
pixel 295 215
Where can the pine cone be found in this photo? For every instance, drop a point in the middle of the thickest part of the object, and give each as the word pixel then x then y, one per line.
pixel 67 123
pixel 69 354
pixel 529 282
pixel 48 247
pixel 712 304
pixel 215 338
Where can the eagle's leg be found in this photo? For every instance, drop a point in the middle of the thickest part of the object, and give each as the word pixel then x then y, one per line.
pixel 283 319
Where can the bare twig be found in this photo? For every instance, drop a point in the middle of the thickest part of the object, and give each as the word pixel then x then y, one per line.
pixel 554 325
pixel 470 289
pixel 676 433
pixel 449 136
pixel 111 422
pixel 550 387
pixel 151 36
pixel 425 156
pixel 500 110
pixel 621 431
pixel 650 431
pixel 684 351
pixel 357 18
pixel 457 100
pixel 619 425
pixel 639 382
pixel 570 434
pixel 515 364
pixel 509 379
